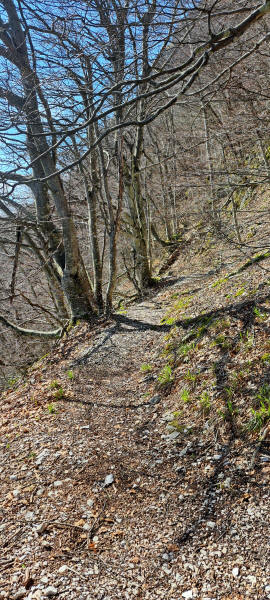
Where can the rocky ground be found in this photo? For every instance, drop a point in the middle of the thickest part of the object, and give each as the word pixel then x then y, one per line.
pixel 106 493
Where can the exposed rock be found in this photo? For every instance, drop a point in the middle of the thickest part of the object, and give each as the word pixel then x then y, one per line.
pixel 109 479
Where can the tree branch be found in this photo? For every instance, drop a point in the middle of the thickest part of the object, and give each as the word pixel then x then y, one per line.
pixel 30 332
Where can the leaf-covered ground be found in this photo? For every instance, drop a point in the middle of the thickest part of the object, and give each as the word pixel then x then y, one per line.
pixel 135 457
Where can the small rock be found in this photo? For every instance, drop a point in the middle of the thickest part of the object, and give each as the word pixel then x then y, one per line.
pixel 188 594
pixel 46 545
pixel 63 569
pixel 165 556
pixel 90 502
pixel 173 435
pixel 36 595
pixel 57 483
pixel 42 456
pixel 155 400
pixel 29 516
pixel 168 556
pixel 217 457
pixel 109 479
pixel 44 579
pixel 50 591
pixel 41 528
pixel 19 594
pixel 166 570
pixel 235 572
pixel 252 579
pixel 168 417
pixel 211 524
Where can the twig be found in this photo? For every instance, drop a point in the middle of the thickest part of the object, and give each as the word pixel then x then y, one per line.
pixel 63 525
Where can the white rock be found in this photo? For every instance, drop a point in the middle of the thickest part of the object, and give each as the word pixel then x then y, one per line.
pixel 90 502
pixel 36 595
pixel 166 570
pixel 188 594
pixel 50 591
pixel 211 524
pixel 42 456
pixel 168 417
pixel 109 479
pixel 29 516
pixel 252 579
pixel 173 435
pixel 19 594
pixel 235 571
pixel 63 569
pixel 44 579
pixel 57 483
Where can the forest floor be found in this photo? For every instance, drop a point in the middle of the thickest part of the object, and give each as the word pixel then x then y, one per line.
pixel 135 457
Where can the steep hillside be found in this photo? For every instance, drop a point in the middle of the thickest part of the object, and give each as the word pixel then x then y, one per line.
pixel 135 456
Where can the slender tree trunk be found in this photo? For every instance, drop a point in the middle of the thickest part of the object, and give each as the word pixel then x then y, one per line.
pixel 74 279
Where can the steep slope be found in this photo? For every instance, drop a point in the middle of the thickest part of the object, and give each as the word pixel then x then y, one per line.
pixel 132 463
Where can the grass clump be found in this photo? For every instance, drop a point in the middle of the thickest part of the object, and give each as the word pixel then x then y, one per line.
pixel 262 414
pixel 146 367
pixel 165 376
pixel 266 357
pixel 219 282
pixel 205 403
pixel 59 393
pixel 191 377
pixel 185 396
pixel 261 316
pixel 54 385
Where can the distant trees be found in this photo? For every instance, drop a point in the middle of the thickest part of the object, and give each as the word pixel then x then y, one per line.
pixel 82 85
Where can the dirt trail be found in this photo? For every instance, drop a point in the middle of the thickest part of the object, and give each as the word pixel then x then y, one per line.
pixel 98 501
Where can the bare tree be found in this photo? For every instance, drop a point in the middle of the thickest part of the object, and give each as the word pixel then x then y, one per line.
pixel 78 91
